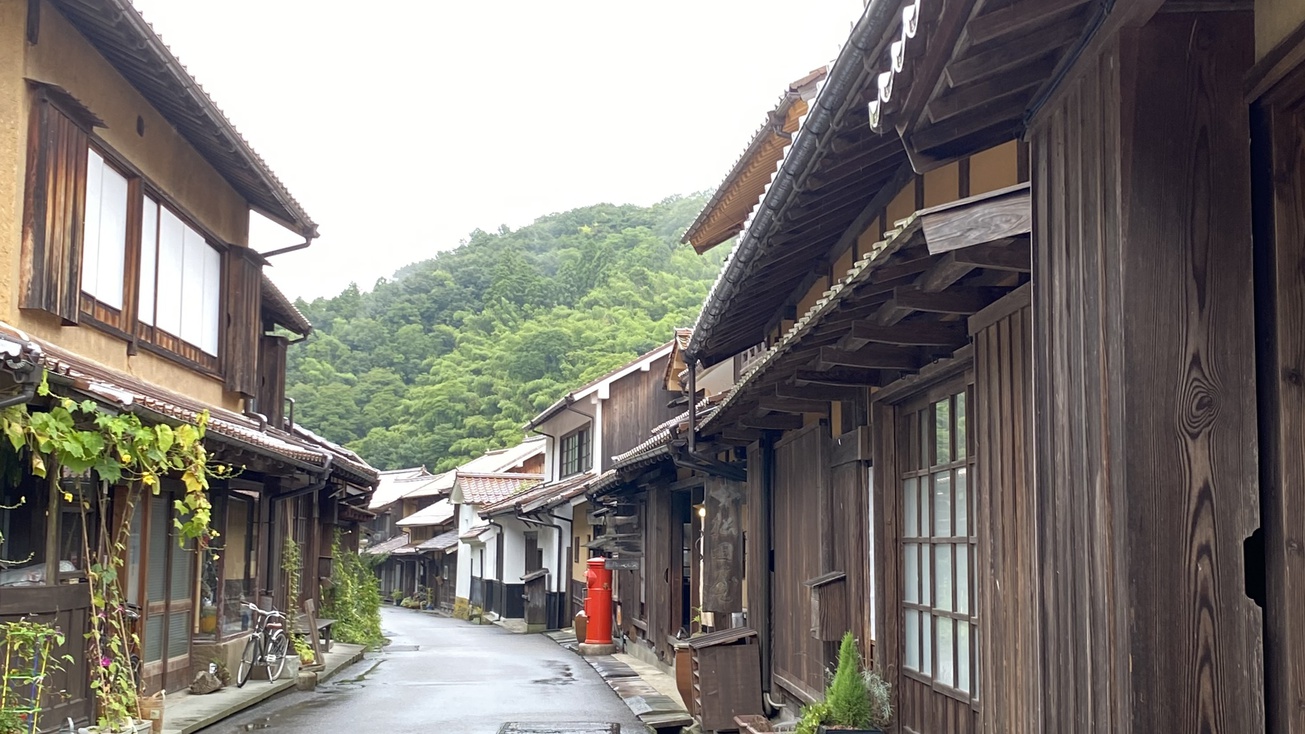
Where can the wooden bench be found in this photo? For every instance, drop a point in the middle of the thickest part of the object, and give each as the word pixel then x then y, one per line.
pixel 323 630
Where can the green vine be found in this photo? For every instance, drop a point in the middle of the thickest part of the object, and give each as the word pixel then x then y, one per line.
pixel 292 562
pixel 78 438
pixel 29 659
pixel 118 447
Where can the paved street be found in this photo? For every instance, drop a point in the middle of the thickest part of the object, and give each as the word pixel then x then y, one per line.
pixel 448 676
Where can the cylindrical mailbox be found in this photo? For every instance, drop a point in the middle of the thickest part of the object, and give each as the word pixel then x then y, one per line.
pixel 598 604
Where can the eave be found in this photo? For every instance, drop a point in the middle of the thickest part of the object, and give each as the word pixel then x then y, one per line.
pixel 117 30
pixel 895 312
pixel 729 206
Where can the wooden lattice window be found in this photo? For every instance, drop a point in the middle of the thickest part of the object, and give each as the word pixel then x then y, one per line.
pixel 938 544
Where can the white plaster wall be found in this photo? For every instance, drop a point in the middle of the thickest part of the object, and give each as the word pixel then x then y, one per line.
pixel 717 378
pixel 465 552
pixel 562 424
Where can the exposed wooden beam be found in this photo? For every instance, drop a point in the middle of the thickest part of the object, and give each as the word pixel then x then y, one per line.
pixel 974 96
pixel 1005 111
pixel 740 436
pixel 957 300
pixel 771 422
pixel 816 392
pixel 792 405
pixel 929 334
pixel 1003 57
pixel 1016 256
pixel 945 272
pixel 845 377
pixel 1014 21
pixel 872 357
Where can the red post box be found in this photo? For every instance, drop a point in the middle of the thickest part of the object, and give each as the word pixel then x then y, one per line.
pixel 598 603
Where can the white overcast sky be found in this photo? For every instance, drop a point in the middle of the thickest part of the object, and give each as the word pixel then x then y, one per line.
pixel 402 126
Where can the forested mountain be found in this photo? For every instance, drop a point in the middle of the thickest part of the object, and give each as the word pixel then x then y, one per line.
pixel 454 354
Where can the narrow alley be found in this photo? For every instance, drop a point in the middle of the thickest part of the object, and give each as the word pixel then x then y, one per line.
pixel 445 675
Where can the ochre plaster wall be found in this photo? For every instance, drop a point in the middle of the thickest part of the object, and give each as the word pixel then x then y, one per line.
pixel 63 57
pixel 1274 21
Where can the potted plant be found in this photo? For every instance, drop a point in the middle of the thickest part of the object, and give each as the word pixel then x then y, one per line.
pixel 857 700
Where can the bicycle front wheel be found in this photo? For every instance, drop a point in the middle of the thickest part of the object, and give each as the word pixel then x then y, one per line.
pixel 276 658
pixel 247 659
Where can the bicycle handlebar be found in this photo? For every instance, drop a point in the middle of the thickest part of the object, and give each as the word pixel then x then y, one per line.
pixel 260 610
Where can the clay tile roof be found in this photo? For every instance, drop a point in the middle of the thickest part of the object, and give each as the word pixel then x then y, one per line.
pixel 117 30
pixel 437 514
pixel 124 392
pixel 542 496
pixel 386 546
pixel 282 311
pixel 446 542
pixel 473 534
pixel 485 488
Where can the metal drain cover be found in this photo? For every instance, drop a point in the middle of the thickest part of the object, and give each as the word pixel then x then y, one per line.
pixel 562 728
pixel 401 648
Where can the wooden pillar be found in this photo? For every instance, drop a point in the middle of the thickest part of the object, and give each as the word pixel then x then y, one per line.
pixel 1145 407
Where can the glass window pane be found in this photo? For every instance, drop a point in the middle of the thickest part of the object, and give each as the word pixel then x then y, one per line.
pixel 911 572
pixel 942 504
pixel 183 571
pixel 926 587
pixel 926 438
pixel 963 656
pixel 946 673
pixel 942 415
pixel 156 585
pixel 22 525
pixel 134 553
pixel 153 639
pixel 963 578
pixel 961 435
pixel 912 638
pixel 910 509
pixel 149 252
pixel 962 503
pixel 178 634
pixel 926 655
pixel 942 574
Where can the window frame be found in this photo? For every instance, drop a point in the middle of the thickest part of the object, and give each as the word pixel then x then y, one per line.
pixel 918 462
pixel 583 459
pixel 121 323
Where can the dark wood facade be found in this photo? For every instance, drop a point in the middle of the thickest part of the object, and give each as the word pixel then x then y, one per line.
pixel 1146 454
pixel 636 403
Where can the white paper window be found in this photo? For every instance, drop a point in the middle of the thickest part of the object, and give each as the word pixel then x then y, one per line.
pixel 104 237
pixel 188 272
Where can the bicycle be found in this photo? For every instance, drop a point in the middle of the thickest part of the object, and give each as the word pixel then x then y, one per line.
pixel 268 646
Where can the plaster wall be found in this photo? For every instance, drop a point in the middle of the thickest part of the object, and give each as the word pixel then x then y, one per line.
pixel 1274 21
pixel 466 552
pixel 562 424
pixel 63 57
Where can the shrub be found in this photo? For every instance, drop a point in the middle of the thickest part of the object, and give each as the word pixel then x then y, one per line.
pixel 848 698
pixel 354 601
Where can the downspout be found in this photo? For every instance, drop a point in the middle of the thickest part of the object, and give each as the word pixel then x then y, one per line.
pixel 500 547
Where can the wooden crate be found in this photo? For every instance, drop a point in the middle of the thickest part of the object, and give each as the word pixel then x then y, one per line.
pixel 726 677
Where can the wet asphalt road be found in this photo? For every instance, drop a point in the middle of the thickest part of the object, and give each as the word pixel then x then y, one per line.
pixel 446 676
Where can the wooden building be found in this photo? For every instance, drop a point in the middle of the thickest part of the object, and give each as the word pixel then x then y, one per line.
pixel 1027 279
pixel 129 281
